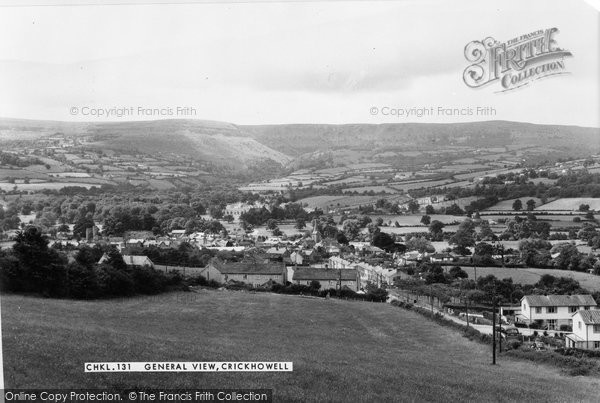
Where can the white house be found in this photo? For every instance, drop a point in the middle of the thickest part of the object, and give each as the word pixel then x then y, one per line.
pixel 553 311
pixel 586 330
pixel 441 258
pixel 131 260
pixel 328 278
pixel 336 262
pixel 249 272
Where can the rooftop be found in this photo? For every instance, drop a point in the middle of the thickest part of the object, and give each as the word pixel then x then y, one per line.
pixel 248 267
pixel 591 317
pixel 560 300
pixel 315 273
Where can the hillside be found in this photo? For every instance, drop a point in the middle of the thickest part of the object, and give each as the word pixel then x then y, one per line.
pixel 341 351
pixel 240 146
pixel 296 140
pixel 215 142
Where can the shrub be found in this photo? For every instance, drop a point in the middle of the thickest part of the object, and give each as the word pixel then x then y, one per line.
pixel 114 282
pixel 82 282
pixel 579 371
pixel 148 281
pixel 513 344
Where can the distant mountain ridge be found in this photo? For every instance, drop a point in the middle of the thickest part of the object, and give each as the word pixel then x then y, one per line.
pixel 299 139
pixel 241 145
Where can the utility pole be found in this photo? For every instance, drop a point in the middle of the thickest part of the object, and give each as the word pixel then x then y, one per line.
pixel 467 309
pixel 500 334
pixel 494 326
pixel 431 296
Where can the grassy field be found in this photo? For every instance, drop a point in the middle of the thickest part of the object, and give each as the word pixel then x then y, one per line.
pixel 507 204
pixel 571 204
pixel 342 351
pixel 41 186
pixel 532 275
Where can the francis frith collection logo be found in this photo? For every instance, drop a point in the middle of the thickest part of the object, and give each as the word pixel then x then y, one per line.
pixel 514 63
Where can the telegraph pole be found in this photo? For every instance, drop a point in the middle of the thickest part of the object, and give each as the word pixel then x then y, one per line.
pixel 500 334
pixel 467 309
pixel 431 297
pixel 494 326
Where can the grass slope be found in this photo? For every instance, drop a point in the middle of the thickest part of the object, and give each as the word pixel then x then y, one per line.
pixel 342 351
pixel 533 275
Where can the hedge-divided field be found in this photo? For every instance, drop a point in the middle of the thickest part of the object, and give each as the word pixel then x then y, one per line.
pixel 341 350
pixel 532 275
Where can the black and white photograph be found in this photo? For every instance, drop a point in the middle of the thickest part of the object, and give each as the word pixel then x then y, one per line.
pixel 300 201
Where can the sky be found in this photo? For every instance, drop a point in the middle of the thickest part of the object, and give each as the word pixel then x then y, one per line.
pixel 288 62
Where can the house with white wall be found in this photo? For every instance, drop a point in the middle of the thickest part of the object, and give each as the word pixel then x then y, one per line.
pixel 553 311
pixel 256 273
pixel 328 278
pixel 586 330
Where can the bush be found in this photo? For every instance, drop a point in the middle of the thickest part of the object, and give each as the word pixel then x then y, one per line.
pixel 579 371
pixel 148 280
pixel 82 282
pixel 513 344
pixel 534 325
pixel 114 282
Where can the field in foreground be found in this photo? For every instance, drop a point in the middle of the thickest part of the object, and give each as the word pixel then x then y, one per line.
pixel 342 351
pixel 532 275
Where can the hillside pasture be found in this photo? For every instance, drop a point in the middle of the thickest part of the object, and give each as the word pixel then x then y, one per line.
pixel 571 204
pixel 45 185
pixel 414 219
pixel 506 205
pixel 376 189
pixel 533 275
pixel 20 173
pixel 341 351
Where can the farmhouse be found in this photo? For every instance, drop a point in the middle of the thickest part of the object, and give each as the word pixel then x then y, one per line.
pixel 586 330
pixel 131 260
pixel 441 257
pixel 328 278
pixel 237 209
pixel 553 311
pixel 254 273
pixel 336 262
pixel 296 258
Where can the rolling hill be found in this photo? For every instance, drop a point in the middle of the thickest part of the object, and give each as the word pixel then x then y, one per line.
pixel 341 351
pixel 296 140
pixel 216 142
pixel 239 146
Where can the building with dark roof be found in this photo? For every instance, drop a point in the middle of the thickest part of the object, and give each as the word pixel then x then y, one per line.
pixel 254 272
pixel 328 278
pixel 553 311
pixel 586 330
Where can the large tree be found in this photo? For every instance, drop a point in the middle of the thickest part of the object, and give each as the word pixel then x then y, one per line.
pixel 464 236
